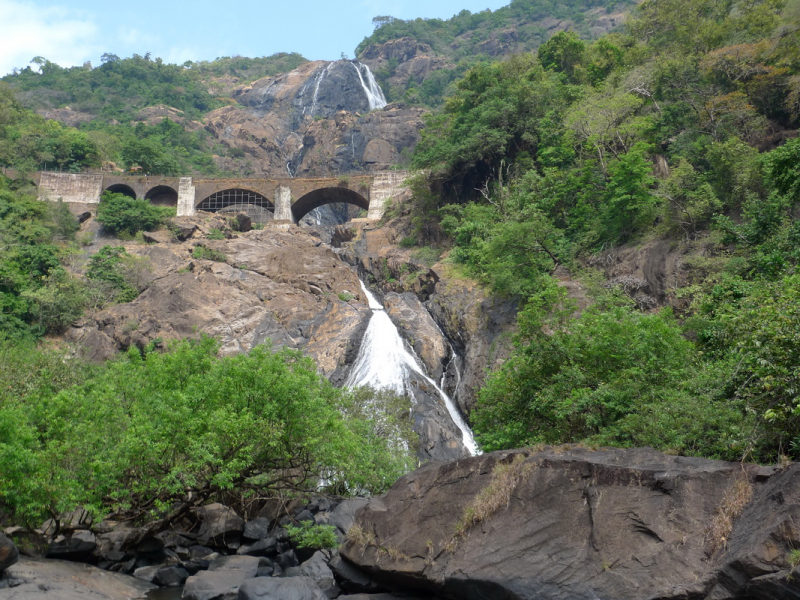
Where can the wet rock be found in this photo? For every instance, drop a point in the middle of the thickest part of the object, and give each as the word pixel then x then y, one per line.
pixel 420 330
pixel 172 576
pixel 256 529
pixel 285 588
pixel 351 578
pixel 576 524
pixel 77 546
pixel 317 569
pixel 223 577
pixel 8 552
pixel 264 547
pixel 287 559
pixel 220 525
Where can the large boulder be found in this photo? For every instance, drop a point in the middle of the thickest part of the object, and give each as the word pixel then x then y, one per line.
pixel 62 580
pixel 8 552
pixel 223 578
pixel 220 526
pixel 284 588
pixel 572 524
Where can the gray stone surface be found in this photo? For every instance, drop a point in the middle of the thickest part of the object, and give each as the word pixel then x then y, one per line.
pixel 224 576
pixel 284 588
pixel 48 579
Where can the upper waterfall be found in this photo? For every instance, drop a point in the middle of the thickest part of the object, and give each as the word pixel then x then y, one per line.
pixel 374 92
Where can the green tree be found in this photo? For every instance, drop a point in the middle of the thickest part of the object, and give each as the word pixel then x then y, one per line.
pixel 121 214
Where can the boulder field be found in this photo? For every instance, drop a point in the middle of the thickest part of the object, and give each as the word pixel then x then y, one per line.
pixel 557 523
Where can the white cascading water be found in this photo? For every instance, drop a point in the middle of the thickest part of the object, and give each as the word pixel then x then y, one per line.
pixel 320 76
pixel 374 92
pixel 384 362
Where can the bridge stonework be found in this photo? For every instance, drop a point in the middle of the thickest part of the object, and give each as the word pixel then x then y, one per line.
pixel 291 198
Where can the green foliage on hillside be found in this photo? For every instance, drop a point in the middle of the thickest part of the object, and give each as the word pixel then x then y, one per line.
pixel 117 89
pixel 36 293
pixel 462 35
pixel 112 97
pixel 547 161
pixel 123 215
pixel 467 39
pixel 29 142
pixel 146 431
pixel 246 69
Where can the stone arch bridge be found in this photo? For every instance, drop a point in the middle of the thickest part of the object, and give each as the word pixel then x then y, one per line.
pixel 288 200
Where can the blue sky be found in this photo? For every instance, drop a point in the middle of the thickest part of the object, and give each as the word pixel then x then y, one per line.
pixel 73 32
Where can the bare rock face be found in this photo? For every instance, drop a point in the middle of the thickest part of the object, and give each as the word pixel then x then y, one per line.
pixel 415 60
pixel 277 285
pixel 416 325
pixel 572 524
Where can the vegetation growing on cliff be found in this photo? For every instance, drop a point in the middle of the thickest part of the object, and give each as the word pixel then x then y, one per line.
pixel 672 129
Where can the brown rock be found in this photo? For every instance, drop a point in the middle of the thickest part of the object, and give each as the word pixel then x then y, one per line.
pixel 572 524
pixel 8 552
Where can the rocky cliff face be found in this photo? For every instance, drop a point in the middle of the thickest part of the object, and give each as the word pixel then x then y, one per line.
pixel 314 120
pixel 572 524
pixel 457 329
pixel 285 286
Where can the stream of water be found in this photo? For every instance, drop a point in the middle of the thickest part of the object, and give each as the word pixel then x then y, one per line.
pixel 384 362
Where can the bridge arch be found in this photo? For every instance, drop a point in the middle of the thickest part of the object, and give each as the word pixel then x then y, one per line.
pixel 327 195
pixel 121 188
pixel 162 195
pixel 256 205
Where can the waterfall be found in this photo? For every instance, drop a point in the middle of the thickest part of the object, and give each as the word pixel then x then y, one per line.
pixel 320 76
pixel 384 362
pixel 374 92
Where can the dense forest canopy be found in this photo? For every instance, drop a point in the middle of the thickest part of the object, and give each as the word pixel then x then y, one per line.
pixel 683 127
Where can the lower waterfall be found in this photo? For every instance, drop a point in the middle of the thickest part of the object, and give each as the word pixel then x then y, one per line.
pixel 384 362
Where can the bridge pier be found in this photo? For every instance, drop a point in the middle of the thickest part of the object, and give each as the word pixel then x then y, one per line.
pixel 186 197
pixel 283 204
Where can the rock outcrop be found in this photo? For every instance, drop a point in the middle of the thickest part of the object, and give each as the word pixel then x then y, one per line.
pixel 31 579
pixel 573 524
pixel 284 286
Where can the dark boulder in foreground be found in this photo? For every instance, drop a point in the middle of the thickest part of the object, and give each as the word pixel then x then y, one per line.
pixel 8 552
pixel 573 524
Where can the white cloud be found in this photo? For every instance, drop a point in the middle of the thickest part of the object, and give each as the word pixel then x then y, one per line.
pixel 59 34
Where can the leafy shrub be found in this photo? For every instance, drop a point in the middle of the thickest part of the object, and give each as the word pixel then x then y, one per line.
pixel 122 276
pixel 121 214
pixel 215 234
pixel 312 536
pixel 153 431
pixel 205 253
